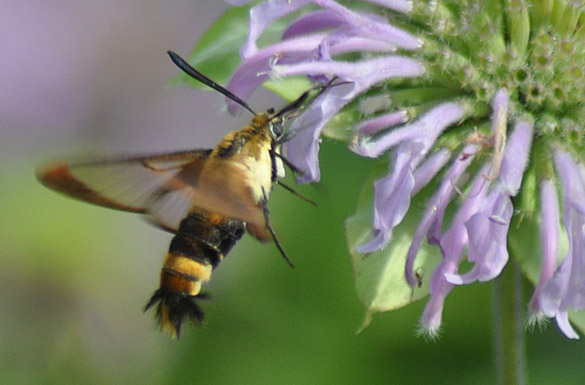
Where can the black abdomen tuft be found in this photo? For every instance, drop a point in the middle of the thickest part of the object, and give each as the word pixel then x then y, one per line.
pixel 201 243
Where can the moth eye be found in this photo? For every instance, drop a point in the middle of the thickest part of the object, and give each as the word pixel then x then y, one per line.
pixel 276 129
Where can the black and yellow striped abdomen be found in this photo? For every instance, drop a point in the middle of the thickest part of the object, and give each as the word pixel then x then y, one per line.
pixel 202 241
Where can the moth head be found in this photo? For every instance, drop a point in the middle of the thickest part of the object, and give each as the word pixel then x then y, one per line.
pixel 276 127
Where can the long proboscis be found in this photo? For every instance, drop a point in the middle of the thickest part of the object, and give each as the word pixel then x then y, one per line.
pixel 297 105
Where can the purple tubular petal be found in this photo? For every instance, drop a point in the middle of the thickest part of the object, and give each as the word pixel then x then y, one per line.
pixel 487 240
pixel 359 44
pixel 370 71
pixel 549 234
pixel 303 149
pixel 563 323
pixel 573 188
pixel 452 245
pixel 372 126
pixel 516 158
pixel 262 15
pixel 425 130
pixel 320 20
pixel 367 27
pixel 429 169
pixel 392 194
pixel 345 41
pixel 488 228
pixel 311 22
pixel 556 295
pixel 254 71
pixel 245 80
pixel 392 197
pixel 404 6
pixel 435 209
pixel 566 288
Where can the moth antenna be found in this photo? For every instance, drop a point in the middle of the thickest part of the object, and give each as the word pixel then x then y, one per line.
pixel 189 70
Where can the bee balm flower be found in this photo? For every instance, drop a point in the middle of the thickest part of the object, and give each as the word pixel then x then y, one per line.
pixel 476 107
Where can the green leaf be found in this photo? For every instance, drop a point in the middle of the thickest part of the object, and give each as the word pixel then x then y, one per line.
pixel 342 126
pixel 523 245
pixel 379 276
pixel 289 88
pixel 217 53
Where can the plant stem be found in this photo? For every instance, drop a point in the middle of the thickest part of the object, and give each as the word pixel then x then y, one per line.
pixel 508 330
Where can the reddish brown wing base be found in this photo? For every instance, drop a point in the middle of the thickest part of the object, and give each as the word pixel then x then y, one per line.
pixel 58 177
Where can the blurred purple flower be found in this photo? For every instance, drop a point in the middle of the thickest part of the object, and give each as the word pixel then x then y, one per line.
pixel 445 80
pixel 565 289
pixel 238 2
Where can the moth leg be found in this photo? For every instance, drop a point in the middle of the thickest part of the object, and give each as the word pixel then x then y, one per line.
pixel 272 233
pixel 298 194
pixel 274 155
pixel 286 137
pixel 288 164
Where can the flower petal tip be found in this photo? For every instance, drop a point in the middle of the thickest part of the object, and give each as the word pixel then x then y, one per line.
pixel 536 320
pixel 430 333
pixel 562 319
pixel 454 279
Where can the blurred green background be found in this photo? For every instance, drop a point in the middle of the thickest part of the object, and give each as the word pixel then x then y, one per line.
pixel 82 77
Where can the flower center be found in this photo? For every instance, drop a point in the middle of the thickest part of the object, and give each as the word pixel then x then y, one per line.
pixel 535 52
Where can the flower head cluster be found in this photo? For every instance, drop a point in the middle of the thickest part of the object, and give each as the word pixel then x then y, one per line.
pixel 481 102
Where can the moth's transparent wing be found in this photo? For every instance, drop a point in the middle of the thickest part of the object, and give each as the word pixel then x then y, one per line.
pixel 164 186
